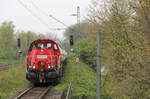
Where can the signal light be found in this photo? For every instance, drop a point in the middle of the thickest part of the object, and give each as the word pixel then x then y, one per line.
pixel 71 40
pixel 19 43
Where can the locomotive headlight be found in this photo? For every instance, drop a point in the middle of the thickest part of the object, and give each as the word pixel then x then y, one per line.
pixel 34 66
pixel 48 66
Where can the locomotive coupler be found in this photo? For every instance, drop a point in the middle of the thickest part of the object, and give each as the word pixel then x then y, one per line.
pixel 42 77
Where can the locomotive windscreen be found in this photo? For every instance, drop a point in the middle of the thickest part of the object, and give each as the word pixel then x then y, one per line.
pixel 41 46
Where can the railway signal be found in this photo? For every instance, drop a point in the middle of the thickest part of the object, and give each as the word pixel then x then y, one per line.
pixel 71 40
pixel 20 52
pixel 19 43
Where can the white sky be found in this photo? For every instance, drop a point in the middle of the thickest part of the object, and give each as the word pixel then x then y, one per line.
pixel 12 10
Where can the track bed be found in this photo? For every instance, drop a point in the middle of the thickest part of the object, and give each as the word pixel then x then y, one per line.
pixel 40 93
pixel 7 66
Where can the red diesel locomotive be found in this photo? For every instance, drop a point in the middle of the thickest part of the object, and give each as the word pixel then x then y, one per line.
pixel 44 61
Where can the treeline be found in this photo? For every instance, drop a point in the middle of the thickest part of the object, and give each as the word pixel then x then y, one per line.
pixel 8 41
pixel 125 40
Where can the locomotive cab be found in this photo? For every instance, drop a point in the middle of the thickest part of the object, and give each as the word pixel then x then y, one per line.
pixel 43 61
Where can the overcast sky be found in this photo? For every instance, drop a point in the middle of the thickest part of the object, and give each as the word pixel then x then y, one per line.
pixel 39 21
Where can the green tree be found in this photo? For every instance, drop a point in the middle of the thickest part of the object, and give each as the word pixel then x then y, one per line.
pixel 125 41
pixel 7 47
pixel 78 33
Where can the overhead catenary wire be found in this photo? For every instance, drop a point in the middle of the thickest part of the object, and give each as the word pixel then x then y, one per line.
pixel 50 15
pixel 33 14
pixel 58 20
pixel 37 8
pixel 44 13
pixel 61 22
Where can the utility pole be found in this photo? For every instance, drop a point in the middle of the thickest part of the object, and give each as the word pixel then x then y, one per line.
pixel 78 23
pixel 98 67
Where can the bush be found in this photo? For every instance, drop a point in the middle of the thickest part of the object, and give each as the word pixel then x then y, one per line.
pixel 88 51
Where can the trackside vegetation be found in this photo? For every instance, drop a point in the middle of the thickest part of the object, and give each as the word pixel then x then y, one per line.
pixel 83 80
pixel 88 51
pixel 6 61
pixel 11 81
pixel 8 41
pixel 125 45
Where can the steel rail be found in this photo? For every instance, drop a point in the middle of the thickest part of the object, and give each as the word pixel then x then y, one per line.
pixel 69 92
pixel 24 92
pixel 44 93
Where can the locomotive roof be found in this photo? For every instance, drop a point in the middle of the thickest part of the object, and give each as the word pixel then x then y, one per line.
pixel 43 41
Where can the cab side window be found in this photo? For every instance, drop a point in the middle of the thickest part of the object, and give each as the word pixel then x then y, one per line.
pixel 30 49
pixel 55 47
pixel 34 46
pixel 49 45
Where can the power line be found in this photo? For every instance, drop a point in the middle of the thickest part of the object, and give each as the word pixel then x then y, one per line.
pixel 58 20
pixel 33 14
pixel 38 9
pixel 57 28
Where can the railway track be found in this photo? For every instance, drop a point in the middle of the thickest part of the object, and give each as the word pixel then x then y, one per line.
pixel 7 66
pixel 39 93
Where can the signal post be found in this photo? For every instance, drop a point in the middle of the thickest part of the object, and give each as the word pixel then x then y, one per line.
pixel 19 52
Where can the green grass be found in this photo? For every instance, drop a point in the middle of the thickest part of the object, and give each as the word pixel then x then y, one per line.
pixel 6 61
pixel 83 79
pixel 11 81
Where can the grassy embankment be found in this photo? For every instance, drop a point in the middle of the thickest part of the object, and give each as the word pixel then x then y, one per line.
pixel 11 81
pixel 83 79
